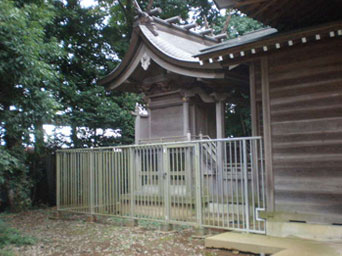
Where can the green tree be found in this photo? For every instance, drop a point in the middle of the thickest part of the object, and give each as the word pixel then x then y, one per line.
pixel 238 114
pixel 28 80
pixel 238 24
pixel 95 39
pixel 86 39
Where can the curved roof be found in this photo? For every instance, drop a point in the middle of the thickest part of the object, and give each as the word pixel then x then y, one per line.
pixel 170 46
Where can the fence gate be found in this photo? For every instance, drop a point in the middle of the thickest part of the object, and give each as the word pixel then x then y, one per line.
pixel 180 181
pixel 210 183
pixel 232 184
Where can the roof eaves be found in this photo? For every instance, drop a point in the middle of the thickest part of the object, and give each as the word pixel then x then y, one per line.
pixel 221 4
pixel 245 39
pixel 134 46
pixel 275 41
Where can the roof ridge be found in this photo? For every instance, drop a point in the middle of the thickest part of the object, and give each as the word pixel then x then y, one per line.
pixel 184 30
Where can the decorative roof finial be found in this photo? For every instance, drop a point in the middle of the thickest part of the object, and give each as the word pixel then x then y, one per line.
pixel 145 19
pixel 137 6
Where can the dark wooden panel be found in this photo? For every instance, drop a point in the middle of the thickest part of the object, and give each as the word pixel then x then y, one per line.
pixel 315 112
pixel 302 207
pixel 167 122
pixel 306 116
pixel 321 101
pixel 311 88
pixel 303 126
pixel 322 148
pixel 308 172
pixel 306 162
pixel 307 137
pixel 302 81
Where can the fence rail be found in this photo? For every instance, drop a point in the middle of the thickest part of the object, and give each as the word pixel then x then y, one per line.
pixel 207 183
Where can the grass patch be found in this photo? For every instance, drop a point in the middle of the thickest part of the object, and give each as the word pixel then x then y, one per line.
pixel 11 236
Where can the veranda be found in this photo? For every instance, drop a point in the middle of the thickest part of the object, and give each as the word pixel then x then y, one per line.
pixel 204 183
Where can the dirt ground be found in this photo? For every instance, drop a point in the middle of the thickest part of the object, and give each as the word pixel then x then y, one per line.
pixel 73 235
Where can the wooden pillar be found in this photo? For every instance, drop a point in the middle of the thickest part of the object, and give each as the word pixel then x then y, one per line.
pixel 220 133
pixel 254 151
pixel 137 129
pixel 267 134
pixel 253 99
pixel 186 117
pixel 219 146
pixel 140 126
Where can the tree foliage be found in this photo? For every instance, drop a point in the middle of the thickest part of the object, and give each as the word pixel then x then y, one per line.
pixel 86 107
pixel 28 80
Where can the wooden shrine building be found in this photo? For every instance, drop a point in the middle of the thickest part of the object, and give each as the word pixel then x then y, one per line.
pixel 184 98
pixel 296 103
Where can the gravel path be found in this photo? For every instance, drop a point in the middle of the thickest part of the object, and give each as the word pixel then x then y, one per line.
pixel 73 235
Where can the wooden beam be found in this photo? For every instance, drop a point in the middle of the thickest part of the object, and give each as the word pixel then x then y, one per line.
pixel 158 78
pixel 313 11
pixel 263 8
pixel 248 2
pixel 220 119
pixel 186 116
pixel 265 88
pixel 190 26
pixel 297 10
pixel 253 98
pixel 206 32
pixel 282 8
pixel 172 20
pixel 155 11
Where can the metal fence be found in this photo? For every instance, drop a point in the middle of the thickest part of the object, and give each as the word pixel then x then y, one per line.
pixel 207 183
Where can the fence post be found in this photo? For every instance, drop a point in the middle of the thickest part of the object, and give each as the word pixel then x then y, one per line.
pixel 245 172
pixel 92 185
pixel 58 178
pixel 198 177
pixel 132 176
pixel 167 184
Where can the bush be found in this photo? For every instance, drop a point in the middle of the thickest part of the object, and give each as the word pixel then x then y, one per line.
pixel 12 236
pixel 15 183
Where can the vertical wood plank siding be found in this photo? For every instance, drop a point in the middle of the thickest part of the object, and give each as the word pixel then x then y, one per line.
pixel 265 85
pixel 306 116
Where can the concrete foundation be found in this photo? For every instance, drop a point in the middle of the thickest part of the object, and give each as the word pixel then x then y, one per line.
pixel 276 246
pixel 303 230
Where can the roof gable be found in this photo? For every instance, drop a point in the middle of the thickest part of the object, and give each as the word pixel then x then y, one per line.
pixel 170 46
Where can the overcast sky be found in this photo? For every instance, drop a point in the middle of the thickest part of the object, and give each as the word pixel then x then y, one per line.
pixel 87 3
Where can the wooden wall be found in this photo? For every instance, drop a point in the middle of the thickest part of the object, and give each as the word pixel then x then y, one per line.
pixel 166 116
pixel 306 124
pixel 166 119
pixel 203 118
